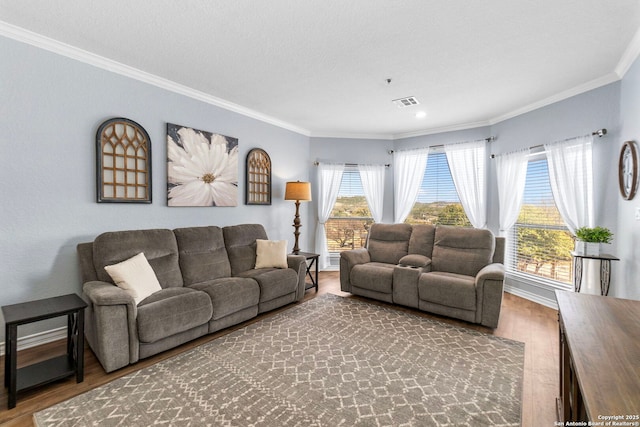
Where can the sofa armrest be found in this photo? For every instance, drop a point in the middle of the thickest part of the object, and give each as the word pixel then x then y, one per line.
pixel 489 290
pixel 493 271
pixel 103 293
pixel 110 324
pixel 348 260
pixel 299 264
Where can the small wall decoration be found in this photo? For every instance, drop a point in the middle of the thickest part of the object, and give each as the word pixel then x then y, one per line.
pixel 202 168
pixel 258 184
pixel 123 162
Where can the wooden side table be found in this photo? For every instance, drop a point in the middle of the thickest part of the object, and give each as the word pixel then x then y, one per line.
pixel 605 270
pixel 310 256
pixel 52 369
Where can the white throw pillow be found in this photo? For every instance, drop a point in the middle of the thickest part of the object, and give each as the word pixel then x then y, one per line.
pixel 271 253
pixel 135 276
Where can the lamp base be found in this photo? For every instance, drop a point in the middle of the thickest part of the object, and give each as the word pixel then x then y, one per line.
pixel 296 226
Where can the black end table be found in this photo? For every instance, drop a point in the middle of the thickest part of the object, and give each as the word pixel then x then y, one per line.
pixel 314 261
pixel 52 369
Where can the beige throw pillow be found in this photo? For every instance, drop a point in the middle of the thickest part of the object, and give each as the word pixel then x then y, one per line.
pixel 271 253
pixel 135 276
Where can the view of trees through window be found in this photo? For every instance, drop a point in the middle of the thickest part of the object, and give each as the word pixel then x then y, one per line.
pixel 539 243
pixel 350 219
pixel 438 201
pixel 540 240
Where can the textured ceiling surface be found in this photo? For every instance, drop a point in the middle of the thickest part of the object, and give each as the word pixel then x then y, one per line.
pixel 322 66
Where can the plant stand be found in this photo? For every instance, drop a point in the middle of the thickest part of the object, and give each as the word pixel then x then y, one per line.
pixel 605 270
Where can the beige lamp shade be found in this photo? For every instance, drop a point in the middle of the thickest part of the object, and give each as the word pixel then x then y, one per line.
pixel 298 191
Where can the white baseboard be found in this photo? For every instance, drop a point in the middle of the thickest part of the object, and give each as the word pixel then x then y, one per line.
pixel 38 339
pixel 551 303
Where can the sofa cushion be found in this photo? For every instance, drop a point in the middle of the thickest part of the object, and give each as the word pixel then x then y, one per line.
pixel 415 260
pixel 135 276
pixel 171 311
pixel 462 250
pixel 203 255
pixel 159 247
pixel 230 294
pixel 240 241
pixel 271 254
pixel 448 289
pixel 388 242
pixel 374 276
pixel 274 282
pixel 421 241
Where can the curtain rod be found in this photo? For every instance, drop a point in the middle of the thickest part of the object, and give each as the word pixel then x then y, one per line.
pixel 316 163
pixel 489 139
pixel 600 133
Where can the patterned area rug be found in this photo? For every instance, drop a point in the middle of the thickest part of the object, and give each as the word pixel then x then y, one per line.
pixel 331 361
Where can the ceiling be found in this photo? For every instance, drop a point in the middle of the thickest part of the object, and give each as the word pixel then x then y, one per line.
pixel 321 67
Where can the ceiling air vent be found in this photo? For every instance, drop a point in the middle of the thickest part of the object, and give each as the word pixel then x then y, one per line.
pixel 406 102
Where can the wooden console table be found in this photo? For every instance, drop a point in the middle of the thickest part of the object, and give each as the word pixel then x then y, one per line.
pixel 599 358
pixel 52 369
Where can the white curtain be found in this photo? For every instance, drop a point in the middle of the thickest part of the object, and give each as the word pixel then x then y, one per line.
pixel 329 179
pixel 511 172
pixel 372 178
pixel 570 173
pixel 408 170
pixel 467 162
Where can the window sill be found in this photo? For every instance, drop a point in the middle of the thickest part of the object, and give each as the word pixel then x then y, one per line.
pixel 539 282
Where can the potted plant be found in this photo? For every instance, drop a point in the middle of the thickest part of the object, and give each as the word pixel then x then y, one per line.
pixel 588 239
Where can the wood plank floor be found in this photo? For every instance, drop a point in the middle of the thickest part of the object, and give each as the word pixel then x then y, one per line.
pixel 521 320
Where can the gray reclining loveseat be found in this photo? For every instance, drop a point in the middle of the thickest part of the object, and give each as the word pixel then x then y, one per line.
pixel 452 271
pixel 208 283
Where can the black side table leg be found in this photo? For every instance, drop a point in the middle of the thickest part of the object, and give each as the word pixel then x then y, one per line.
pixel 7 355
pixel 80 346
pixel 11 355
pixel 317 259
pixel 70 335
pixel 314 281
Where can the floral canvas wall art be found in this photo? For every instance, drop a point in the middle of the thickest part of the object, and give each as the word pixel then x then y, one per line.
pixel 202 168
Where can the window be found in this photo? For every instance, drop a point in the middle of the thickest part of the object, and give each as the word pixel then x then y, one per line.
pixel 438 201
pixel 348 226
pixel 540 242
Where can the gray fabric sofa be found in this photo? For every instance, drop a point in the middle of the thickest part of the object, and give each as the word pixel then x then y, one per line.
pixel 452 271
pixel 208 283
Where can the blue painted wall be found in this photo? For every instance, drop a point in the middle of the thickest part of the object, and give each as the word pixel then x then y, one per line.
pixel 575 116
pixel 51 107
pixel 350 150
pixel 628 233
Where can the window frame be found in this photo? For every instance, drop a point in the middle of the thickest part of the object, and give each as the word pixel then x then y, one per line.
pixel 348 170
pixel 438 151
pixel 511 262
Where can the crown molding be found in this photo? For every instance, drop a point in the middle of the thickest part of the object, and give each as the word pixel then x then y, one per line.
pixel 381 136
pixel 20 34
pixel 25 36
pixel 577 90
pixel 442 129
pixel 629 56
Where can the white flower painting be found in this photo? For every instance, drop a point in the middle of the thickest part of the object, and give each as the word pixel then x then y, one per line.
pixel 202 168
